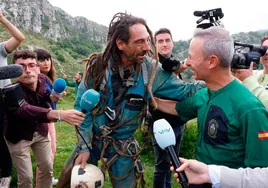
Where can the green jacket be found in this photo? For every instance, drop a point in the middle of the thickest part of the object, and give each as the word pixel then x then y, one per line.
pixel 73 84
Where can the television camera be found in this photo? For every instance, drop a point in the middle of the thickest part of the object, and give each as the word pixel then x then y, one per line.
pixel 213 15
pixel 243 60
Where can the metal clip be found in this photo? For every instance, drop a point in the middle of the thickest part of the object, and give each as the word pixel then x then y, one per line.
pixel 110 113
pixel 139 166
pixel 105 130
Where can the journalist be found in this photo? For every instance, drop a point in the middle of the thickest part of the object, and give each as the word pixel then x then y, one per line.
pixel 26 125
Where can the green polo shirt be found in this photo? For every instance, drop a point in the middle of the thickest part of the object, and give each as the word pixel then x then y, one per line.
pixel 232 124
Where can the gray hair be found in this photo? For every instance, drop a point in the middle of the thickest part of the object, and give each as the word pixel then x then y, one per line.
pixel 217 41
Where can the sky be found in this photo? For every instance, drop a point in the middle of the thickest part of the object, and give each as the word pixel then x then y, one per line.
pixel 239 15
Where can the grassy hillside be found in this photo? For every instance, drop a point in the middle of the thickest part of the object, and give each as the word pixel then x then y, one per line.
pixel 66 53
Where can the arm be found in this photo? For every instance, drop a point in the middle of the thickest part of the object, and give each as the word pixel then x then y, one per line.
pixel 254 130
pixel 168 85
pixel 17 36
pixel 166 106
pixel 85 129
pixel 220 176
pixel 242 178
pixel 35 113
pixel 70 84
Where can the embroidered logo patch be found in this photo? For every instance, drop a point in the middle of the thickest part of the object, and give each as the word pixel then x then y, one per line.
pixel 263 135
pixel 212 128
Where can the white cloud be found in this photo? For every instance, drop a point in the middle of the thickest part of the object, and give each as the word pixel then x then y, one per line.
pixel 239 15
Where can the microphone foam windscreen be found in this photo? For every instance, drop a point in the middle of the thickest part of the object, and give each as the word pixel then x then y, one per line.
pixel 59 85
pixel 163 133
pixel 89 100
pixel 10 71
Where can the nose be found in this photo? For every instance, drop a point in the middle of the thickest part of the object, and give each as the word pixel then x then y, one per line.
pixel 146 46
pixel 187 62
pixel 26 69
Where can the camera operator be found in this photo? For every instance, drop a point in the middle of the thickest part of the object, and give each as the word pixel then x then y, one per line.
pixel 26 125
pixel 256 81
pixel 6 48
pixel 162 175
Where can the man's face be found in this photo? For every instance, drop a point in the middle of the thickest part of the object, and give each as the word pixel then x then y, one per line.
pixel 264 59
pixel 196 60
pixel 77 77
pixel 30 71
pixel 138 44
pixel 164 44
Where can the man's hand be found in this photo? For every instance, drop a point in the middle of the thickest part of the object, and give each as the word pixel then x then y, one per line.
pixel 82 159
pixel 181 69
pixel 242 74
pixel 64 76
pixel 56 99
pixel 196 172
pixel 72 117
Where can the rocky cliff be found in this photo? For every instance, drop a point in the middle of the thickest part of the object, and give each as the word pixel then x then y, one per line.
pixel 41 17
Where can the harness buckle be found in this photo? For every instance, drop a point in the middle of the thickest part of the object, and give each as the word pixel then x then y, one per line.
pixel 110 113
pixel 105 130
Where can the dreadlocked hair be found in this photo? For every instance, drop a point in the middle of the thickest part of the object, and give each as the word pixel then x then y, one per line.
pixel 118 29
pixel 97 74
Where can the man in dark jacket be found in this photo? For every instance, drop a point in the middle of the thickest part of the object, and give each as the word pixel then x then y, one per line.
pixel 26 126
pixel 162 175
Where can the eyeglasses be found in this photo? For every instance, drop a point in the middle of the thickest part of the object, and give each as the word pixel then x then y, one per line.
pixel 30 66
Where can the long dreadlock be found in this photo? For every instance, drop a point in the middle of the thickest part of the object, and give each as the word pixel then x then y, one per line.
pixel 118 29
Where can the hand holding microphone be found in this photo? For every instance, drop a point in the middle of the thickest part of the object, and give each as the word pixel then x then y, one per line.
pixel 89 100
pixel 165 138
pixel 58 89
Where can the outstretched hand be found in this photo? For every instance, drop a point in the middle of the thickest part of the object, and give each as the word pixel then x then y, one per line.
pixel 72 117
pixel 196 172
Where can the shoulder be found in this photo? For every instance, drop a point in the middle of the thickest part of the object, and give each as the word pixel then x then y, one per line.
pixel 244 98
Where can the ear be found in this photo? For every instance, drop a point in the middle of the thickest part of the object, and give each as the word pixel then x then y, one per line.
pixel 213 61
pixel 120 44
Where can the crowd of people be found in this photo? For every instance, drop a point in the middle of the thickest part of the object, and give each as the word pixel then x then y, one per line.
pixel 136 88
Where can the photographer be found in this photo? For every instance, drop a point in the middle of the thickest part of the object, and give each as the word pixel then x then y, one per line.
pixel 26 125
pixel 256 81
pixel 6 48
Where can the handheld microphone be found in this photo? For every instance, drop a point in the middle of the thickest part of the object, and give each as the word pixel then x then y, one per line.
pixel 165 138
pixel 89 100
pixel 10 71
pixel 58 87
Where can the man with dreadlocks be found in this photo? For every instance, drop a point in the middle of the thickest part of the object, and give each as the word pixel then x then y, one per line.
pixel 125 76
